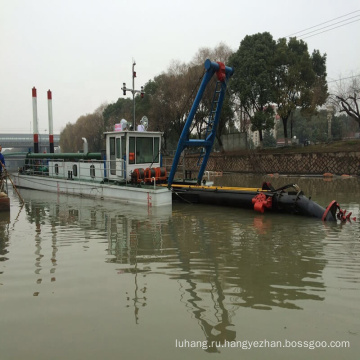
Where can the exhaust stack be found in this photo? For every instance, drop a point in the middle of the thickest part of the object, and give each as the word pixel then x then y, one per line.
pixel 85 145
pixel 35 121
pixel 51 133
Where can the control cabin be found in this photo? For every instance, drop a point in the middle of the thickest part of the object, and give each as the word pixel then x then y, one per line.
pixel 130 150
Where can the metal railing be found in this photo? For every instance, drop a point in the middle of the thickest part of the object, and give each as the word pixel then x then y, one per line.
pixel 93 170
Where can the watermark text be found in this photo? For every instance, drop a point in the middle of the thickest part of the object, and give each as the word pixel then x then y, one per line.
pixel 255 344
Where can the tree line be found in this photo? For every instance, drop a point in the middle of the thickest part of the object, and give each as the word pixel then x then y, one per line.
pixel 270 76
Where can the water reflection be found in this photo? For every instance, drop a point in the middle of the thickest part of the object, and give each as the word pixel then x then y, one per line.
pixel 4 235
pixel 67 220
pixel 227 263
pixel 222 259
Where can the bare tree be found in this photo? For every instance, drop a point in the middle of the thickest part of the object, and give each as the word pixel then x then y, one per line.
pixel 66 138
pixel 347 97
pixel 89 126
pixel 221 52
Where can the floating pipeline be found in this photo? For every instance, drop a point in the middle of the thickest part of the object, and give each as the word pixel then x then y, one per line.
pixel 287 199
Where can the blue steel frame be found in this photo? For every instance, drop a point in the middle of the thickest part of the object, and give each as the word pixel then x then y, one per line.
pixel 184 141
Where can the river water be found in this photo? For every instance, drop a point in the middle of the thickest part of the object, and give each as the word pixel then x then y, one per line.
pixel 83 279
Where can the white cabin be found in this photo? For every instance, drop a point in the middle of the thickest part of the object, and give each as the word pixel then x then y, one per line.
pixel 130 150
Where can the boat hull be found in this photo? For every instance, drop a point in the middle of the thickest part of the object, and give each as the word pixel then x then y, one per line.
pixel 146 195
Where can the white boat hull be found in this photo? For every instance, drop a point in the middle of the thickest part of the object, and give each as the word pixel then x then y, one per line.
pixel 150 196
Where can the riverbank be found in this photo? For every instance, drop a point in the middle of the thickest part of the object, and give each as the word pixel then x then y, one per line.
pixel 335 158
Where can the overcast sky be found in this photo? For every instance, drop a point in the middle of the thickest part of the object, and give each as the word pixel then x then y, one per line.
pixel 82 50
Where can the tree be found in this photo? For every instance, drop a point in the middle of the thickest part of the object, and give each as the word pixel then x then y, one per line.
pixel 88 126
pixel 169 99
pixel 221 53
pixel 269 140
pixel 226 121
pixel 262 120
pixel 167 102
pixel 253 79
pixel 113 113
pixel 315 127
pixel 300 79
pixel 347 98
pixel 66 138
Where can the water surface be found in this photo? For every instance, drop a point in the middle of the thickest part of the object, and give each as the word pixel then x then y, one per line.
pixel 84 279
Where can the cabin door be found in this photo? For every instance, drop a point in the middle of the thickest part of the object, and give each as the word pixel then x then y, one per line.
pixel 120 152
pixel 112 156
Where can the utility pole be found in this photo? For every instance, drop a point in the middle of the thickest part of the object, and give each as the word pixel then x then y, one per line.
pixel 133 91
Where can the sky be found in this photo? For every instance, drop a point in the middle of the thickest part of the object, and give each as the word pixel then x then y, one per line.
pixel 83 50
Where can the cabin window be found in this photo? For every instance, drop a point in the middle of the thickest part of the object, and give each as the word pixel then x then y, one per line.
pixel 112 156
pixel 156 149
pixel 75 170
pixel 144 150
pixel 120 147
pixel 92 171
pixel 56 169
pixel 132 150
pixel 123 146
pixel 118 152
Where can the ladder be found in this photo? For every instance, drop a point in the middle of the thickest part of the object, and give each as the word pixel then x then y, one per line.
pixel 223 74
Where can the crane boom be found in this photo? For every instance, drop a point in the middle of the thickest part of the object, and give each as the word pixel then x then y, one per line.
pixel 223 74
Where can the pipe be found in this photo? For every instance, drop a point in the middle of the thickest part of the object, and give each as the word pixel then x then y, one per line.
pixel 51 132
pixel 65 156
pixel 35 121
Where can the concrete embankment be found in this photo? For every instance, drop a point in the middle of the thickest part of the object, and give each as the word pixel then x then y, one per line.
pixel 330 163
